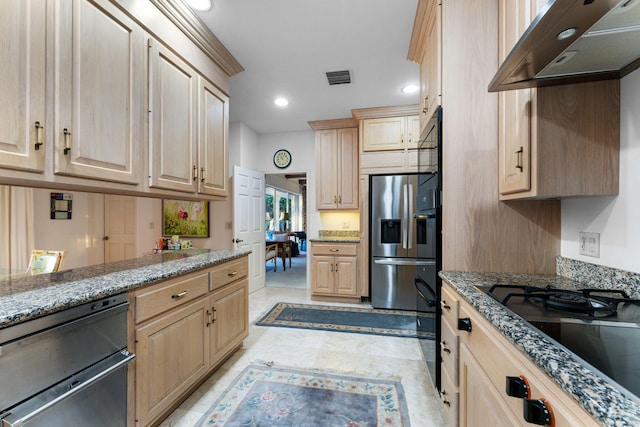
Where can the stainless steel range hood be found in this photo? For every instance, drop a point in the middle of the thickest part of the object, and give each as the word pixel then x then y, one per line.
pixel 605 45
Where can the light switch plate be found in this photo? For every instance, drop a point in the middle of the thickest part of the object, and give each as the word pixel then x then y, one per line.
pixel 589 244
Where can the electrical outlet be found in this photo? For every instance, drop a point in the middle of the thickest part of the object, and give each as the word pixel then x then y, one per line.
pixel 589 244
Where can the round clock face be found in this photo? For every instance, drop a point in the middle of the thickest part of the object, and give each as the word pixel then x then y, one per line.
pixel 282 159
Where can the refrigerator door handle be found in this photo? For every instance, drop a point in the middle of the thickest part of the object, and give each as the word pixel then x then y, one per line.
pixel 405 215
pixel 408 219
pixel 429 300
pixel 404 261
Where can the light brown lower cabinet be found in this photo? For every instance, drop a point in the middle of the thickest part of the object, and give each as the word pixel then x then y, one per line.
pixel 182 329
pixel 485 360
pixel 334 271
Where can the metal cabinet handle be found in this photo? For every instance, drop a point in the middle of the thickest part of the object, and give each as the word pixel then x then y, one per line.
pixel 444 347
pixel 334 250
pixel 195 173
pixel 336 267
pixel 208 318
pixel 340 199
pixel 67 141
pixel 517 387
pixel 464 324
pixel 39 142
pixel 537 411
pixel 335 199
pixel 445 305
pixel 519 159
pixel 232 273
pixel 179 295
pixel 443 395
pixel 202 175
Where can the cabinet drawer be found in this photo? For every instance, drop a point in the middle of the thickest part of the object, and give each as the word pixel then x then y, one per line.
pixel 449 302
pixel 449 352
pixel 163 297
pixel 450 397
pixel 499 359
pixel 335 249
pixel 229 272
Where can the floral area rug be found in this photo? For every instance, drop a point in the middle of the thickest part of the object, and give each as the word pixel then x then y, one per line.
pixel 350 319
pixel 268 396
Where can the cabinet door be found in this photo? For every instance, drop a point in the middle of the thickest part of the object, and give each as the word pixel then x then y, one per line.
pixel 514 107
pixel 348 176
pixel 173 86
pixel 413 132
pixel 172 355
pixel 99 78
pixel 383 134
pixel 434 58
pixel 480 403
pixel 212 144
pixel 346 269
pixel 327 167
pixel 230 319
pixel 322 274
pixel 22 84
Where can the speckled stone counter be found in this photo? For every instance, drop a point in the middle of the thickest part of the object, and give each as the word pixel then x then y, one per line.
pixel 337 236
pixel 597 394
pixel 29 297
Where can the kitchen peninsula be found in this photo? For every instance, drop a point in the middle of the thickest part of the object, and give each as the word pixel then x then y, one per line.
pixel 186 309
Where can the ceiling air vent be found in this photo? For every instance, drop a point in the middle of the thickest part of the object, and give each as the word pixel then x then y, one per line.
pixel 338 77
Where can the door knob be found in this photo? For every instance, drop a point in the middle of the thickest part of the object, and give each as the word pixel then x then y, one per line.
pixel 237 240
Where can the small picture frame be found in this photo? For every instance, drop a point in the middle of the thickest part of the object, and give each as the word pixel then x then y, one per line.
pixel 185 219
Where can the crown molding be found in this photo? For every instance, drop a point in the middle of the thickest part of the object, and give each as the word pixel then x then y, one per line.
pixel 193 27
pixel 333 124
pixel 382 112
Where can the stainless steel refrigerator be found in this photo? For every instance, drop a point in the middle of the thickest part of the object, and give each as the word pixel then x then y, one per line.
pixel 403 241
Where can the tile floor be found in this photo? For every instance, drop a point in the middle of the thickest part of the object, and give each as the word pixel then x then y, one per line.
pixel 351 354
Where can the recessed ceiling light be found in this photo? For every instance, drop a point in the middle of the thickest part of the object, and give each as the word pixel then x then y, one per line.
pixel 281 102
pixel 410 89
pixel 202 5
pixel 566 33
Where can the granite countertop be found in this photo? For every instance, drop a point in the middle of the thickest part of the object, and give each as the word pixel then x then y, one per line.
pixel 597 394
pixel 29 297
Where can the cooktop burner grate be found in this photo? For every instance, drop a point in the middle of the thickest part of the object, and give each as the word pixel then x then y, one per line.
pixel 590 302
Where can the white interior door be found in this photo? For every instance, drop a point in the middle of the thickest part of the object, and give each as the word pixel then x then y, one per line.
pixel 248 220
pixel 119 228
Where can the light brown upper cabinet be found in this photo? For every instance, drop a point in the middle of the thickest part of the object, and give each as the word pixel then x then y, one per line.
pixel 337 166
pixel 22 84
pixel 426 49
pixel 390 133
pixel 558 141
pixel 99 73
pixel 188 122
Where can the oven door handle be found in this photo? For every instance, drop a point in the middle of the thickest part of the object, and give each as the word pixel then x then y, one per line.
pixel 24 412
pixel 431 302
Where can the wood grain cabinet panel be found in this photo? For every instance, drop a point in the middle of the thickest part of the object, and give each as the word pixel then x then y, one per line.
pixel 558 141
pixel 99 82
pixel 334 270
pixel 171 355
pixel 486 359
pixel 182 329
pixel 337 163
pixel 213 155
pixel 22 84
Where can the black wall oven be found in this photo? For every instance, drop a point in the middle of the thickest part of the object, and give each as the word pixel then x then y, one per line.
pixel 427 281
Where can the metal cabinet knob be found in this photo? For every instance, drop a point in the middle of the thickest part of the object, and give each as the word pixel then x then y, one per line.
pixel 464 324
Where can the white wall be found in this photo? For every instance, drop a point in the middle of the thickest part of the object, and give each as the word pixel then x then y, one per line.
pixel 616 218
pixel 80 237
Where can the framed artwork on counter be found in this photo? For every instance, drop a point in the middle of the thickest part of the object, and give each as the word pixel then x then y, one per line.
pixel 185 219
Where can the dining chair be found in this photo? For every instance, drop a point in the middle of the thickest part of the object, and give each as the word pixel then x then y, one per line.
pixel 271 253
pixel 44 261
pixel 284 246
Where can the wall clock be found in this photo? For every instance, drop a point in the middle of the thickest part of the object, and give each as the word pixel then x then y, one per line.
pixel 282 159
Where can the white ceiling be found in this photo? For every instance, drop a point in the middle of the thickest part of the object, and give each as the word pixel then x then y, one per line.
pixel 287 46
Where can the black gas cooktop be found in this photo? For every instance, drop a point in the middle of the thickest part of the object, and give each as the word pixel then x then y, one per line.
pixel 602 327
